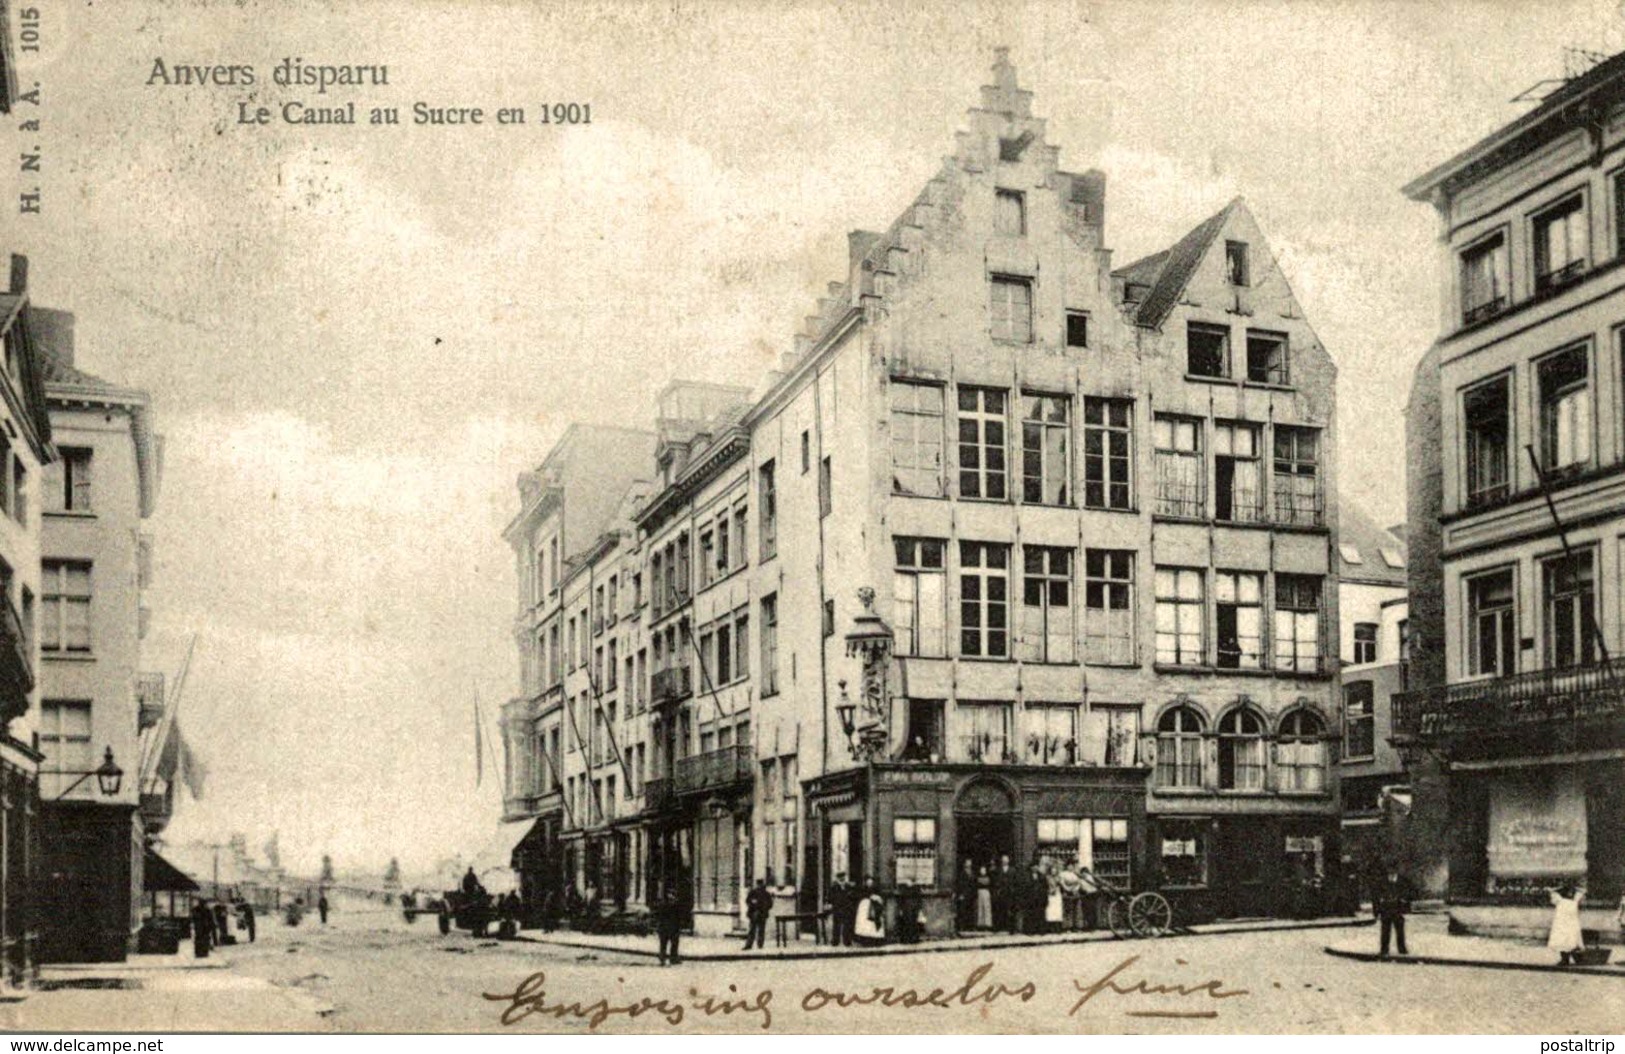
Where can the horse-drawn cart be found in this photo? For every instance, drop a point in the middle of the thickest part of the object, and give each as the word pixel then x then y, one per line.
pixel 1129 914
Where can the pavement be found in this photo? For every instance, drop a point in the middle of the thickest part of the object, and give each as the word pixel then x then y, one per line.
pixel 731 949
pixel 1428 942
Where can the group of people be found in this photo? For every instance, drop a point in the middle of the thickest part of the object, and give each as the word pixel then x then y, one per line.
pixel 1047 896
pixel 212 923
pixel 857 913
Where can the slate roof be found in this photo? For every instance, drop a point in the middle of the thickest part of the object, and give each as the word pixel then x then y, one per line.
pixel 1169 271
pixel 1359 535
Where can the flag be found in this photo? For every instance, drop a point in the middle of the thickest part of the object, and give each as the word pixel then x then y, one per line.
pixel 190 768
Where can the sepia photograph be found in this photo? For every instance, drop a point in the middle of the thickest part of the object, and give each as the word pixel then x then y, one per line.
pixel 718 518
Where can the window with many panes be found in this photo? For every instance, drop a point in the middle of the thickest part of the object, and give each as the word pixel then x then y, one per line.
pixel 1179 748
pixel 1238 474
pixel 1492 645
pixel 1181 473
pixel 1297 623
pixel 982 469
pixel 919 596
pixel 770 644
pixel 1046 449
pixel 984 733
pixel 65 606
pixel 1051 734
pixel 1365 642
pixel 1241 751
pixel 1562 244
pixel 1179 615
pixel 1485 286
pixel 914 845
pixel 916 438
pixel 768 518
pixel 1012 310
pixel 1047 626
pixel 1238 599
pixel 1300 753
pixel 1297 476
pixel 1107 462
pixel 1569 589
pixel 1565 410
pixel 1486 414
pixel 1207 350
pixel 1359 719
pixel 64 739
pixel 1108 627
pixel 984 600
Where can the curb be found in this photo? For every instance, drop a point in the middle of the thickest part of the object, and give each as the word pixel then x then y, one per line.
pixel 1483 964
pixel 935 947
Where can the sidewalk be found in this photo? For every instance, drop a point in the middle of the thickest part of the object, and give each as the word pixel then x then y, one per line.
pixel 731 949
pixel 1430 944
pixel 160 993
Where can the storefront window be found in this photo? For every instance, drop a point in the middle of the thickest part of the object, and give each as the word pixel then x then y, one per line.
pixel 914 841
pixel 1099 844
pixel 1184 854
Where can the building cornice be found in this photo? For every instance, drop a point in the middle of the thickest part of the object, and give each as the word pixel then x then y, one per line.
pixel 725 450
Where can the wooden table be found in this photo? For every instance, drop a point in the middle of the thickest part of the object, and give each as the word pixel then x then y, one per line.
pixel 786 926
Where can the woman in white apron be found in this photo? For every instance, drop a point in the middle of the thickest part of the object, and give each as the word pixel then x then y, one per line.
pixel 870 925
pixel 984 900
pixel 1054 904
pixel 1566 937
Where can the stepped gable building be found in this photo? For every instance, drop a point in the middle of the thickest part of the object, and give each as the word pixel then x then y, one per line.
pixel 1516 444
pixel 1017 556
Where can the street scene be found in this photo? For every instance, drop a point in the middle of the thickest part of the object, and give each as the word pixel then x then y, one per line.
pixel 1058 537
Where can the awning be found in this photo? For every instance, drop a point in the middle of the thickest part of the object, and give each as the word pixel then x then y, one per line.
pixel 161 876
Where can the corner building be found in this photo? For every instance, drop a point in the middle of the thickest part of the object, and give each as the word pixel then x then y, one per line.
pixel 1516 438
pixel 1096 511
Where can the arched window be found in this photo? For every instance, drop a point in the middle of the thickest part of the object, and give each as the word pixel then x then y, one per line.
pixel 1241 750
pixel 1302 757
pixel 1179 748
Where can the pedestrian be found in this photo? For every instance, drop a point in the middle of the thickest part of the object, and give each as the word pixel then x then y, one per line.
pixel 668 918
pixel 758 906
pixel 1566 938
pixel 984 900
pixel 1004 889
pixel 202 929
pixel 842 905
pixel 910 913
pixel 1391 900
pixel 471 883
pixel 321 906
pixel 1054 904
pixel 965 897
pixel 222 924
pixel 246 912
pixel 869 917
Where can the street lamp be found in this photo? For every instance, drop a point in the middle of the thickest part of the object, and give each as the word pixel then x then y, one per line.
pixel 109 777
pixel 846 711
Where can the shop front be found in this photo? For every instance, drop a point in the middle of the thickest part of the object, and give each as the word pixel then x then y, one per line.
pixel 90 896
pixel 538 862
pixel 948 830
pixel 1228 866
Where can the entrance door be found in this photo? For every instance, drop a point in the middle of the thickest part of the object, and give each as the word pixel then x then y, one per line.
pixel 985 837
pixel 1244 872
pixel 1605 832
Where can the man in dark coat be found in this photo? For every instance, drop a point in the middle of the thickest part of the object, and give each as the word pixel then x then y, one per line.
pixel 321 907
pixel 908 913
pixel 1003 887
pixel 668 920
pixel 202 929
pixel 245 911
pixel 843 909
pixel 1390 900
pixel 758 906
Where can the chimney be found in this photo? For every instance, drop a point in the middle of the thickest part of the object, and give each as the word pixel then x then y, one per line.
pixel 19 273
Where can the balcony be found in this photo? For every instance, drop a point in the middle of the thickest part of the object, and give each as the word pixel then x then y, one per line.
pixel 149 697
pixel 716 770
pixel 658 794
pixel 670 686
pixel 1547 707
pixel 1485 310
pixel 1558 277
pixel 16 664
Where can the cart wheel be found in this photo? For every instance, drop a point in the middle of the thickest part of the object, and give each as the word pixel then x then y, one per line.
pixel 1151 915
pixel 445 924
pixel 1117 917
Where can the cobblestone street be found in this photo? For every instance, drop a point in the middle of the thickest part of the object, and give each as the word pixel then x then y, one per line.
pixel 370 971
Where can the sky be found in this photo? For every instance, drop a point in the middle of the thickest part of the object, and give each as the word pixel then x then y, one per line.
pixel 356 339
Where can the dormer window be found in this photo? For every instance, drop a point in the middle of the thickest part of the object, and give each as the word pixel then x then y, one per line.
pixel 1235 263
pixel 1484 280
pixel 1562 244
pixel 1010 214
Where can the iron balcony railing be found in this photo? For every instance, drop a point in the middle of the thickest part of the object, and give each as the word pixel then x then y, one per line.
pixel 714 770
pixel 1487 309
pixel 149 695
pixel 658 793
pixel 1546 281
pixel 1540 697
pixel 670 686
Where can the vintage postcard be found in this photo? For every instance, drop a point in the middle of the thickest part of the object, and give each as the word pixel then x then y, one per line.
pixel 716 517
